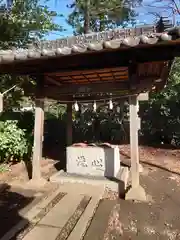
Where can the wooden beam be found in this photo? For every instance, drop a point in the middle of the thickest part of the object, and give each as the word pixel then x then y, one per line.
pixel 133 75
pixel 93 60
pixel 99 91
pixel 89 88
pixel 39 88
pixel 38 139
pixel 69 125
pixel 122 70
pixel 164 76
pixel 85 99
pixel 51 80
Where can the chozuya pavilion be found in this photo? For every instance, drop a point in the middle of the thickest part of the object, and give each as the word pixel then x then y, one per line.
pixel 96 66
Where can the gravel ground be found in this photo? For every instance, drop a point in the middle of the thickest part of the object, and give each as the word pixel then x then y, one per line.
pixel 158 218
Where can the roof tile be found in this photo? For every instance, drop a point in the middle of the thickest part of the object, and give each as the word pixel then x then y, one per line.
pixel 112 39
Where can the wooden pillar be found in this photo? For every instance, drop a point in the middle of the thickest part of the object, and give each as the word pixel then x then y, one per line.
pixel 133 105
pixel 136 192
pixel 69 125
pixel 38 139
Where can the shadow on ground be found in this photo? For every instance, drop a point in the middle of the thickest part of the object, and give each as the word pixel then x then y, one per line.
pixel 11 205
pixel 57 153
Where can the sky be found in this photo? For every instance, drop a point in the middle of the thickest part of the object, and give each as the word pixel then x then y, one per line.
pixel 60 6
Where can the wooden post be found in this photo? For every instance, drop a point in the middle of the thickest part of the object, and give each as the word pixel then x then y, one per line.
pixel 134 140
pixel 38 140
pixel 69 124
pixel 136 192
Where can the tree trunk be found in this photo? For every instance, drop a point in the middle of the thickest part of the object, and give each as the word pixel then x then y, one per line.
pixel 86 17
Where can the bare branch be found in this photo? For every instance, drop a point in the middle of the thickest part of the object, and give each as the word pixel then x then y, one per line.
pixel 167 5
pixel 176 6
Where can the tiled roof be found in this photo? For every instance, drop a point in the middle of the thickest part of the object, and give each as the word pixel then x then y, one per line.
pixel 113 39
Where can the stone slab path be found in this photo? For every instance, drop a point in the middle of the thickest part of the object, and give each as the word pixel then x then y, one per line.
pixel 76 212
pixel 17 200
pixel 65 215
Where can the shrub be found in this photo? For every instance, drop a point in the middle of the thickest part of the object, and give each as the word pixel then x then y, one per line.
pixel 14 143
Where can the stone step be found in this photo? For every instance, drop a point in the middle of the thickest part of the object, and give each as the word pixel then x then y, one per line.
pixel 69 219
pixel 82 188
pixel 60 214
pixel 51 225
pixel 64 178
pixel 45 233
pixel 64 215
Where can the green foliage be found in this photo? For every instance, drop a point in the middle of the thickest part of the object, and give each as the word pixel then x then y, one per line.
pixel 13 143
pixel 102 125
pixel 25 22
pixel 13 98
pixel 4 168
pixel 102 14
pixel 161 115
pixel 55 110
pixel 55 125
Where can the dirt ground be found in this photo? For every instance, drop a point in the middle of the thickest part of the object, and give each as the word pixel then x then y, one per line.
pixel 16 198
pixel 167 159
pixel 164 158
pixel 20 173
pixel 158 218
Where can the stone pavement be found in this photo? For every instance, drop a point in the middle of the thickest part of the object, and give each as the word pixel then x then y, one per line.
pixel 65 215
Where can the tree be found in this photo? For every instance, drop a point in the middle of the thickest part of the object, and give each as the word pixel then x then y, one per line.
pixel 22 22
pixel 160 8
pixel 25 22
pixel 98 15
pixel 165 127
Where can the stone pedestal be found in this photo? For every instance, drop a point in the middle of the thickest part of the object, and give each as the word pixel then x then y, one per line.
pixel 93 161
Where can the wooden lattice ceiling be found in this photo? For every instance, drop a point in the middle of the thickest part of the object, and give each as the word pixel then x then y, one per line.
pixel 106 75
pixel 102 82
pixel 90 76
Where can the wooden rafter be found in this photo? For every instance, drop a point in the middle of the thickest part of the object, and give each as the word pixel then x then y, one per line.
pixel 53 81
